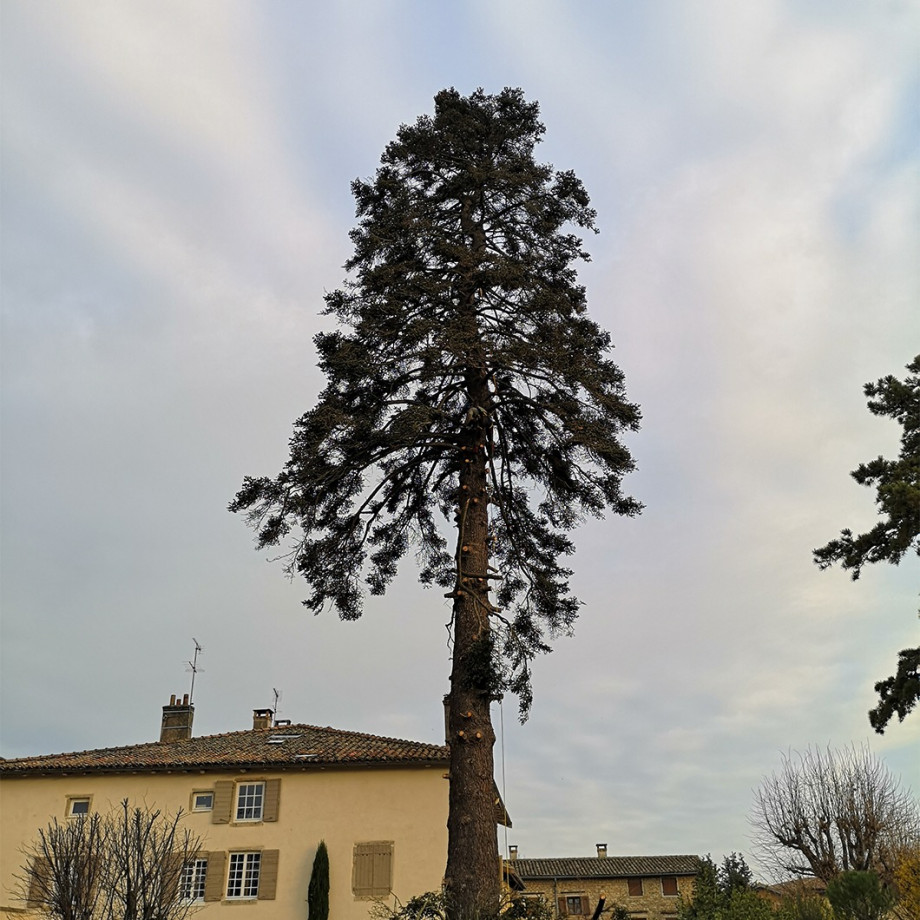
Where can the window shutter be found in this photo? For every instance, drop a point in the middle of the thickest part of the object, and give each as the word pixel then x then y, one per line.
pixel 268 878
pixel 40 882
pixel 272 800
pixel 223 801
pixel 214 880
pixel 383 868
pixel 585 906
pixel 372 871
pixel 362 880
pixel 170 882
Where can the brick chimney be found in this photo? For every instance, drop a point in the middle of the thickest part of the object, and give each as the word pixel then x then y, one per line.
pixel 177 720
pixel 512 851
pixel 262 718
pixel 601 850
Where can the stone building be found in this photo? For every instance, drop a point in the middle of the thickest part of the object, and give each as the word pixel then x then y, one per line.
pixel 647 886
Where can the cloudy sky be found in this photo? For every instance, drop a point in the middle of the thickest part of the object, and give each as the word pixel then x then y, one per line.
pixel 175 203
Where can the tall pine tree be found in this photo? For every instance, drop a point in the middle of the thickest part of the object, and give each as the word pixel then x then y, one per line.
pixel 897 534
pixel 465 384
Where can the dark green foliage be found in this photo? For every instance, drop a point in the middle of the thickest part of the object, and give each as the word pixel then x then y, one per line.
pixel 859 896
pixel 898 694
pixel 724 893
pixel 461 283
pixel 318 892
pixel 804 905
pixel 897 488
pixel 433 906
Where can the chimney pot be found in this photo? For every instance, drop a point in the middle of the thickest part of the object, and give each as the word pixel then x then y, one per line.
pixel 601 850
pixel 513 851
pixel 185 699
pixel 172 699
pixel 262 718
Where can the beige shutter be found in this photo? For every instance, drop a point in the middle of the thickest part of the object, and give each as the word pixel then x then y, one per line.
pixel 268 875
pixel 383 869
pixel 40 882
pixel 223 802
pixel 362 876
pixel 272 800
pixel 170 882
pixel 372 870
pixel 214 879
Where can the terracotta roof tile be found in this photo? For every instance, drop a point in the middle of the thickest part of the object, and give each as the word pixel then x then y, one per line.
pixel 580 867
pixel 304 744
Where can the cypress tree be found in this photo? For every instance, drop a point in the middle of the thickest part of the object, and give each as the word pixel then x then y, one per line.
pixel 318 892
pixel 466 386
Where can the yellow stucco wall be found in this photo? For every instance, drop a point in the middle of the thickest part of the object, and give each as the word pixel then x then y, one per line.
pixel 344 807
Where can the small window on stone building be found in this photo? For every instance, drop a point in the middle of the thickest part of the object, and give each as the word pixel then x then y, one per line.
pixel 574 905
pixel 669 886
pixel 635 887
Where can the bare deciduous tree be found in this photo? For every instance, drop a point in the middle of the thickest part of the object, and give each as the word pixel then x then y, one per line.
pixel 65 869
pixel 827 812
pixel 123 866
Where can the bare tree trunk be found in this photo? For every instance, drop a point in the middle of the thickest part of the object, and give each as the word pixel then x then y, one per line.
pixel 472 879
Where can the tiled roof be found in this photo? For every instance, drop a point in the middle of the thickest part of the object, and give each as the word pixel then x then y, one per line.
pixel 296 746
pixel 606 867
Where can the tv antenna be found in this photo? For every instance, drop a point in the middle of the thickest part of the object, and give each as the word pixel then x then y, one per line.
pixel 194 668
pixel 277 700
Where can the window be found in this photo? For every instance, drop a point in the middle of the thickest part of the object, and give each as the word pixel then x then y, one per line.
pixel 635 887
pixel 202 801
pixel 249 799
pixel 573 904
pixel 77 806
pixel 669 886
pixel 372 873
pixel 243 878
pixel 246 800
pixel 192 880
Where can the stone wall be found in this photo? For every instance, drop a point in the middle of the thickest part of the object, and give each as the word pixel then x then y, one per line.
pixel 652 904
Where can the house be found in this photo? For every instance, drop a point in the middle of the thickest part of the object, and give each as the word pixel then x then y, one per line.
pixel 647 886
pixel 260 800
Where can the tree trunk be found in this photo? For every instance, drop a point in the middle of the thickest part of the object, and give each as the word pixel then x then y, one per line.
pixel 472 880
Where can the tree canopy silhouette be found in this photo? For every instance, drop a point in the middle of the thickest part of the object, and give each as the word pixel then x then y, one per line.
pixel 897 485
pixel 467 389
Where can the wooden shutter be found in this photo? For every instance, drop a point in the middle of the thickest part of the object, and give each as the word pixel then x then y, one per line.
pixel 40 882
pixel 214 879
pixel 272 800
pixel 669 885
pixel 562 911
pixel 170 882
pixel 268 875
pixel 372 872
pixel 223 802
pixel 585 906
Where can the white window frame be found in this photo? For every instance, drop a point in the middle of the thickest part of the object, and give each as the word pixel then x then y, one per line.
pixel 257 806
pixel 73 800
pixel 192 880
pixel 243 875
pixel 202 792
